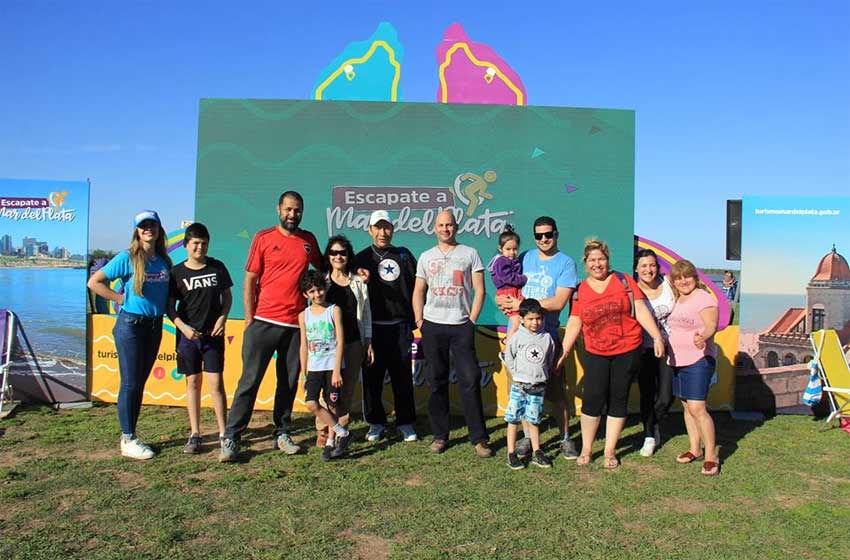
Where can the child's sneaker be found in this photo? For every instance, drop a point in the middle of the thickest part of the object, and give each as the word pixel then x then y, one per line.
pixel 328 452
pixel 193 446
pixel 514 463
pixel 541 460
pixel 342 443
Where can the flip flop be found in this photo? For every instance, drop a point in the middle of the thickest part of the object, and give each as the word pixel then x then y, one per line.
pixel 687 457
pixel 583 460
pixel 610 463
pixel 710 468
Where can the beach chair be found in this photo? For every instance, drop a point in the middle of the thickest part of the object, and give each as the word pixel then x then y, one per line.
pixel 834 373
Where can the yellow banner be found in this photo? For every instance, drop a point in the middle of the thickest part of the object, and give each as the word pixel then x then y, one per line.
pixel 167 387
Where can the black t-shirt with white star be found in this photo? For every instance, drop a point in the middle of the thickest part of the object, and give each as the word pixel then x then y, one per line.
pixel 392 274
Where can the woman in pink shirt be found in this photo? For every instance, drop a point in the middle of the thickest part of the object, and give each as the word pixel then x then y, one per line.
pixel 691 353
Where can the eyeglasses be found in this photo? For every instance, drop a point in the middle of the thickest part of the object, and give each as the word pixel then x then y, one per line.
pixel 544 234
pixel 147 225
pixel 337 253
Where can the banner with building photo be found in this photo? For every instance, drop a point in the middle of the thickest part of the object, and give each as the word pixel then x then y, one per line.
pixel 794 280
pixel 43 248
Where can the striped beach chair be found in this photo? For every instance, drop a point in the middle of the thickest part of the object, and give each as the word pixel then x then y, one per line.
pixel 834 373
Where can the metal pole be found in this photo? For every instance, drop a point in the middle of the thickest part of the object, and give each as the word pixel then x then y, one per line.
pixel 10 331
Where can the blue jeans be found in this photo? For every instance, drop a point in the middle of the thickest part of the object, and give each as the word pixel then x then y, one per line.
pixel 137 341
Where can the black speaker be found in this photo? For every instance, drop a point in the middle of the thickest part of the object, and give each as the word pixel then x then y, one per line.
pixel 733 230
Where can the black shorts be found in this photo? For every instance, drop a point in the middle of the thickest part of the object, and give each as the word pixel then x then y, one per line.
pixel 320 382
pixel 201 354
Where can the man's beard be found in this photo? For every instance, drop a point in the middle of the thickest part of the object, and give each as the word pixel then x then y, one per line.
pixel 289 225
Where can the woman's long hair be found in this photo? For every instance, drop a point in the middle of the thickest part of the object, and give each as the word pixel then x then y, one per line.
pixel 684 269
pixel 139 259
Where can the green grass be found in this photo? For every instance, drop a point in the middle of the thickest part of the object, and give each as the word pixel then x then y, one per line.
pixel 66 493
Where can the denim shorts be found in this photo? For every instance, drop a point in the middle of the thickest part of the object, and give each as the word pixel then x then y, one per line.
pixel 691 383
pixel 525 403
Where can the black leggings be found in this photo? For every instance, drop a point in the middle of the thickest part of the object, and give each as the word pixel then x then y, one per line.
pixel 655 381
pixel 607 380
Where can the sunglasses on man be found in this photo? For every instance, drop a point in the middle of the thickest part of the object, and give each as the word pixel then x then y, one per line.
pixel 544 234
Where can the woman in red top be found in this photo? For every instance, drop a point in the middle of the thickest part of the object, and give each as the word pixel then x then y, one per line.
pixel 609 311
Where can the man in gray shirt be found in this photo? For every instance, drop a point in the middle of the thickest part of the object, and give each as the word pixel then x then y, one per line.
pixel 445 312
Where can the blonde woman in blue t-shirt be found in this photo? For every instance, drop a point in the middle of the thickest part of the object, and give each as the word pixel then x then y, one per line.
pixel 144 270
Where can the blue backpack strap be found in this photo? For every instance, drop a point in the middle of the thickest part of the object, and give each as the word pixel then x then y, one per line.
pixel 629 292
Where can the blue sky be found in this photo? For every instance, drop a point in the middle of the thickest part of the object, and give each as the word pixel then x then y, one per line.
pixel 731 98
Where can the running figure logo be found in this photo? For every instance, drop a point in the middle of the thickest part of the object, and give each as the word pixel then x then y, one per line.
pixel 474 192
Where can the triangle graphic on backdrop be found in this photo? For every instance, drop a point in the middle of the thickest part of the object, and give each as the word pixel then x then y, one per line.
pixel 230 339
pixel 537 153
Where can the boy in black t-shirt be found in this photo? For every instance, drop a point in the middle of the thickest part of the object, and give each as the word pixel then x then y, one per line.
pixel 198 304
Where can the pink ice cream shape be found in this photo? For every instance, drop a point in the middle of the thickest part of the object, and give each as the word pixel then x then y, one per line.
pixel 473 73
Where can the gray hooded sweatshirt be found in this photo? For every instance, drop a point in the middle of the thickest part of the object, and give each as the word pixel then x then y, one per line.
pixel 529 356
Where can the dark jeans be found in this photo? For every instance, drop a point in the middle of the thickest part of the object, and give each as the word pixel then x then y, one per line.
pixel 260 342
pixel 391 346
pixel 137 341
pixel 655 382
pixel 438 341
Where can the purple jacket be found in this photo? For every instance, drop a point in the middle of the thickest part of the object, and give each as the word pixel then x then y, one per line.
pixel 506 273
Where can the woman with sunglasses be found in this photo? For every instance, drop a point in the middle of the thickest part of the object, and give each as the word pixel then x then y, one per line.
pixel 349 292
pixel 144 271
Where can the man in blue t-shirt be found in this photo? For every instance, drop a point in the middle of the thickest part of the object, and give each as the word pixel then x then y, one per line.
pixel 552 278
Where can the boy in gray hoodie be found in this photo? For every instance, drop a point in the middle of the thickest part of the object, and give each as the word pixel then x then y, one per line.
pixel 528 357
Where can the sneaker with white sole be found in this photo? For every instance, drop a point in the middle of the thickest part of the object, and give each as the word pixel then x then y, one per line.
pixel 229 450
pixel 514 462
pixel 541 460
pixel 135 449
pixel 408 433
pixel 648 448
pixel 375 432
pixel 193 446
pixel 285 444
pixel 568 450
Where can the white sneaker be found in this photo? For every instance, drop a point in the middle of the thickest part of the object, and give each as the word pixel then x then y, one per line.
pixel 375 432
pixel 135 449
pixel 648 447
pixel 408 433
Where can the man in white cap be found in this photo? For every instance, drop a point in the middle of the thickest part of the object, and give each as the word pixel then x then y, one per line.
pixel 392 273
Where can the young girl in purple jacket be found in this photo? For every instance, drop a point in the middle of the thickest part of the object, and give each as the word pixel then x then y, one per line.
pixel 506 271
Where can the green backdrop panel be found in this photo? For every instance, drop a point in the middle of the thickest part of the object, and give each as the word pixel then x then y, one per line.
pixel 490 164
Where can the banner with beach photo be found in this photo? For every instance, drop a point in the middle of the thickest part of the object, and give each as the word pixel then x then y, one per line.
pixel 43 248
